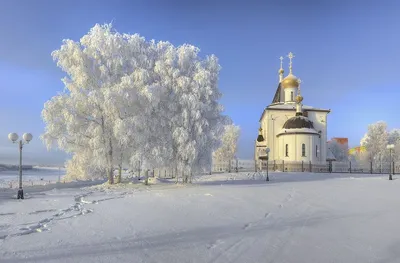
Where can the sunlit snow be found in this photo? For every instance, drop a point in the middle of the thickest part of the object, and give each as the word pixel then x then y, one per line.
pixel 295 217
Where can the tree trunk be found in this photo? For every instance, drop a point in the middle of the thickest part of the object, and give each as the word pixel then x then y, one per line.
pixel 110 175
pixel 146 182
pixel 119 178
pixel 110 164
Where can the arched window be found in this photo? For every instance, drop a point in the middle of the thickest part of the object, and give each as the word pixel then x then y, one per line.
pixel 316 150
pixel 287 150
pixel 303 150
pixel 291 96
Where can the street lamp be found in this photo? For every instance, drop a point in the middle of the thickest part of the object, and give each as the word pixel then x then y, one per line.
pixel 390 147
pixel 27 137
pixel 267 151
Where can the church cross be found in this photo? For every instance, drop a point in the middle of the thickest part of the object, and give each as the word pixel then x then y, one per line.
pixel 300 81
pixel 290 56
pixel 281 58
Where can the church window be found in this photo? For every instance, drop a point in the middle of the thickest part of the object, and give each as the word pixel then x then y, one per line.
pixel 316 150
pixel 303 150
pixel 291 96
pixel 287 150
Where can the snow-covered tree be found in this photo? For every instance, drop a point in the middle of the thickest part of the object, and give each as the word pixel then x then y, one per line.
pixel 339 151
pixel 84 116
pixel 229 141
pixel 394 138
pixel 80 167
pixel 376 138
pixel 128 99
pixel 190 111
pixel 375 141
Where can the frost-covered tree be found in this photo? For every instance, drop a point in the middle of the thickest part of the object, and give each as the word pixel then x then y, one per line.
pixel 376 138
pixel 80 167
pixel 339 151
pixel 394 138
pixel 128 99
pixel 190 111
pixel 229 141
pixel 375 141
pixel 86 114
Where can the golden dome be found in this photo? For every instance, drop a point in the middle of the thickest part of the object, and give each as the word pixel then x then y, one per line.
pixel 290 81
pixel 299 98
pixel 281 71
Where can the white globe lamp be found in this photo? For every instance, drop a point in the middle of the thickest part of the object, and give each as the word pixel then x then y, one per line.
pixel 27 137
pixel 13 137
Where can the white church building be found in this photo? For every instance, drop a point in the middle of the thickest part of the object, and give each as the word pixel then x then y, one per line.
pixel 292 131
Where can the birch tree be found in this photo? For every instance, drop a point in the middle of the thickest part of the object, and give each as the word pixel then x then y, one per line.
pixel 85 115
pixel 375 141
pixel 127 99
pixel 229 143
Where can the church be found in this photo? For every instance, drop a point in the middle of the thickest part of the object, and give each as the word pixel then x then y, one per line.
pixel 293 132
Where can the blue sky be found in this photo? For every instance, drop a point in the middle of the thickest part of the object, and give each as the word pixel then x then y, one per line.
pixel 347 54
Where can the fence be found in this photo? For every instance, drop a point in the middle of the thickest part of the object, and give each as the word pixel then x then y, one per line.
pixel 301 166
pixel 330 167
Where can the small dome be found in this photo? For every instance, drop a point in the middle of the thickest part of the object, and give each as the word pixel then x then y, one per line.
pixel 298 122
pixel 290 81
pixel 281 71
pixel 299 98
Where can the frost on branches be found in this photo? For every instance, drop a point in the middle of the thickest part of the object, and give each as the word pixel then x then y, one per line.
pixel 338 151
pixel 227 151
pixel 127 99
pixel 376 140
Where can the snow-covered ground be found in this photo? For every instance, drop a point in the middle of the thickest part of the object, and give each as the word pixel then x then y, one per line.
pixel 220 218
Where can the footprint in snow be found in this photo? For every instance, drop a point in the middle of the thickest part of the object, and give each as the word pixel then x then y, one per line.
pixel 247 226
pixel 214 244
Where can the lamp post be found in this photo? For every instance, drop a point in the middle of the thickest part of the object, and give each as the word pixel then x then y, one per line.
pixel 390 147
pixel 267 151
pixel 27 137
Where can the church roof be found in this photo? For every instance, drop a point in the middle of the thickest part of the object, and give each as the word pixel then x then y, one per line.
pixel 290 107
pixel 298 122
pixel 277 97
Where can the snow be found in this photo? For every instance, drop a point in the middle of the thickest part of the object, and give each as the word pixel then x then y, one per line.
pixel 297 130
pixel 238 217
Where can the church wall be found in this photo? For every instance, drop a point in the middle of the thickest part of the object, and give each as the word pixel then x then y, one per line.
pixel 273 122
pixel 288 97
pixel 319 120
pixel 294 142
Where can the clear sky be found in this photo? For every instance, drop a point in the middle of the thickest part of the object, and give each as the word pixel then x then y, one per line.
pixel 347 54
